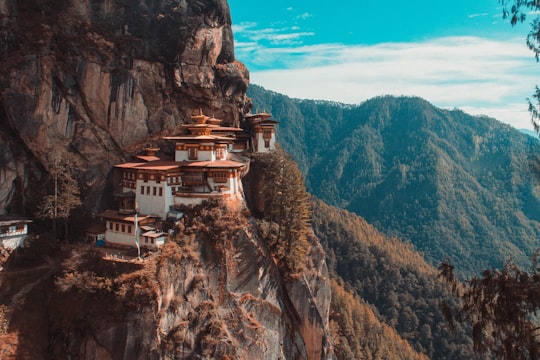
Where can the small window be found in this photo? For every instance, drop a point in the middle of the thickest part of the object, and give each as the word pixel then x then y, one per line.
pixel 192 153
pixel 148 190
pixel 129 229
pixel 220 177
pixel 160 191
pixel 142 190
pixel 123 228
pixel 155 191
pixel 110 225
pixel 117 227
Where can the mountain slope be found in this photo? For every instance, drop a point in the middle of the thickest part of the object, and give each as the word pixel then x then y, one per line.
pixel 454 185
pixel 390 276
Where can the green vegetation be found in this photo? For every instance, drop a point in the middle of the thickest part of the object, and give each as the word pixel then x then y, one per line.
pixel 518 12
pixel 454 185
pixel 359 334
pixel 285 210
pixel 394 280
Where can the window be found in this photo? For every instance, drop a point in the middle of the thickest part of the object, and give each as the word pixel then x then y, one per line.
pixel 117 227
pixel 155 191
pixel 160 191
pixel 148 190
pixel 110 225
pixel 129 229
pixel 142 190
pixel 192 153
pixel 220 153
pixel 123 228
pixel 220 177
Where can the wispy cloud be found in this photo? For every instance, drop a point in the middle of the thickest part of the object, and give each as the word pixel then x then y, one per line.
pixel 472 16
pixel 478 75
pixel 285 36
pixel 304 16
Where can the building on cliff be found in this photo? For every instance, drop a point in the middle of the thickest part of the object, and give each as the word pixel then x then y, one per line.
pixel 208 164
pixel 13 231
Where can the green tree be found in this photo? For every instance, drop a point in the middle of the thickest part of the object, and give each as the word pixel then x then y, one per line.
pixel 287 205
pixel 516 11
pixel 500 305
pixel 66 195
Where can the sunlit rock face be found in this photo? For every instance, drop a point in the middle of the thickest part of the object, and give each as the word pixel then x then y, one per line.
pixel 103 77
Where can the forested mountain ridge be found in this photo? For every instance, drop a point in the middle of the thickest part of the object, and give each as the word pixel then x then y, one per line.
pixel 396 281
pixel 455 185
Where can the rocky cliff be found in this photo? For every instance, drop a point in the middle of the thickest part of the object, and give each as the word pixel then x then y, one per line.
pixel 102 77
pixel 213 292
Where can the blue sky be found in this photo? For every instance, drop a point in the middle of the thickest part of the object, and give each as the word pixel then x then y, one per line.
pixel 455 54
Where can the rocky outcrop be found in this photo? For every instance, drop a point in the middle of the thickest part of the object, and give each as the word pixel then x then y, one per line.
pixel 214 292
pixel 102 77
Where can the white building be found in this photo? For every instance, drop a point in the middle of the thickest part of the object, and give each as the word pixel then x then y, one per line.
pixel 263 134
pixel 13 231
pixel 132 230
pixel 204 167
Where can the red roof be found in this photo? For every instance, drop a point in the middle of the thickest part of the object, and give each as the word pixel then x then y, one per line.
pixel 159 165
pixel 199 138
pixel 212 164
pixel 115 215
pixel 130 165
pixel 148 158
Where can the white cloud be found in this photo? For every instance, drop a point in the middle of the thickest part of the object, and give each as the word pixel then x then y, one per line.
pixel 304 16
pixel 472 16
pixel 477 75
pixel 272 36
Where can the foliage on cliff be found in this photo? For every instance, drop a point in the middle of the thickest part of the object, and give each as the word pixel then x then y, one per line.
pixel 394 279
pixel 285 209
pixel 454 185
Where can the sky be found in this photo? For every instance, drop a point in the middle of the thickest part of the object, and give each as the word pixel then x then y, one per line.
pixel 455 54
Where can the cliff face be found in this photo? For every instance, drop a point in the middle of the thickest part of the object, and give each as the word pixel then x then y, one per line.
pixel 102 77
pixel 213 292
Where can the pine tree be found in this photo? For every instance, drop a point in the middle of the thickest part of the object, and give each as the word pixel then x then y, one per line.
pixel 66 194
pixel 287 205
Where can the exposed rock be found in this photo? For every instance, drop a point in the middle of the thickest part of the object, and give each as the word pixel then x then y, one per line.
pixel 214 293
pixel 103 77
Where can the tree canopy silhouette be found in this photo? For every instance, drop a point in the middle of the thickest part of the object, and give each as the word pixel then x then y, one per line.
pixel 501 305
pixel 517 11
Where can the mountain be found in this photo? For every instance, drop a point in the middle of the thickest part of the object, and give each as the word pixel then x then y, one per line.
pixel 102 79
pixel 456 186
pixel 532 133
pixel 391 279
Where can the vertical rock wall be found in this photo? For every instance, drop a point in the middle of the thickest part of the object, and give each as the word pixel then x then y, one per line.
pixel 102 77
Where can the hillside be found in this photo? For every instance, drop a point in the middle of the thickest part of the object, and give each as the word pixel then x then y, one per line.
pixel 393 279
pixel 213 291
pixel 454 185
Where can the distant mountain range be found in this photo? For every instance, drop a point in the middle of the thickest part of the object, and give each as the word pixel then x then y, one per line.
pixel 456 186
pixel 529 132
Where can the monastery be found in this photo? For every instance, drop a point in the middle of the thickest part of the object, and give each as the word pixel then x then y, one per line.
pixel 207 164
